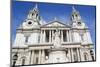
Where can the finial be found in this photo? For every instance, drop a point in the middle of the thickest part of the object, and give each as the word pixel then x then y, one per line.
pixel 74 10
pixel 55 18
pixel 36 6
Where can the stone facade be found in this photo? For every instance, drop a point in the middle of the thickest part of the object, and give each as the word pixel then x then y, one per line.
pixel 55 42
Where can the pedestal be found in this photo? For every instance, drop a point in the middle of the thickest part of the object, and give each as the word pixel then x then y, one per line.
pixel 57 55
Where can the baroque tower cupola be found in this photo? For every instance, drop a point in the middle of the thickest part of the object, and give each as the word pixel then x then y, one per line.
pixel 34 14
pixel 76 20
pixel 33 19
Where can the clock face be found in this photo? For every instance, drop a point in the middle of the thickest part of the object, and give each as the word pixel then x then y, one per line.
pixel 79 23
pixel 29 23
pixel 32 23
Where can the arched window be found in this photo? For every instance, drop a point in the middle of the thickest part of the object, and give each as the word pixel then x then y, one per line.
pixel 23 61
pixel 32 14
pixel 76 15
pixel 85 56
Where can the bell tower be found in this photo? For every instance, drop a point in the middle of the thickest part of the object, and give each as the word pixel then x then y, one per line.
pixel 76 20
pixel 33 19
pixel 31 26
pixel 82 34
pixel 34 14
pixel 75 15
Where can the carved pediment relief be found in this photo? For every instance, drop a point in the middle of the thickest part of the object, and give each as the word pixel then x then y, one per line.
pixel 55 24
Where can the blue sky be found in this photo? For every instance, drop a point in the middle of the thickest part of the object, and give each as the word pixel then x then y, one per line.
pixel 48 11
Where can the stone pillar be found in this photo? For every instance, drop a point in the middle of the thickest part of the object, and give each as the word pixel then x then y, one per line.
pixel 61 35
pixel 69 54
pixel 39 62
pixel 82 53
pixel 43 36
pixel 52 35
pixel 29 58
pixel 70 36
pixel 67 36
pixel 72 55
pixel 32 58
pixel 43 57
pixel 78 56
pixel 49 35
pixel 79 53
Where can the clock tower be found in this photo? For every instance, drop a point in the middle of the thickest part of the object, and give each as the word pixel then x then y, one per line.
pixel 33 19
pixel 30 29
pixel 76 20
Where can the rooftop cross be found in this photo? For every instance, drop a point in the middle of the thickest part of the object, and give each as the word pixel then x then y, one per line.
pixel 36 6
pixel 73 8
pixel 55 18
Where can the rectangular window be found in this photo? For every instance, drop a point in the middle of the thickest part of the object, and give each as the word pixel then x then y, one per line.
pixel 82 37
pixel 26 39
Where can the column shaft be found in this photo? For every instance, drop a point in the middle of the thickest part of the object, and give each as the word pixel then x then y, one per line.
pixel 44 36
pixel 49 35
pixel 29 57
pixel 69 54
pixel 61 35
pixel 52 35
pixel 43 57
pixel 32 58
pixel 78 56
pixel 39 62
pixel 70 36
pixel 41 40
pixel 67 36
pixel 72 54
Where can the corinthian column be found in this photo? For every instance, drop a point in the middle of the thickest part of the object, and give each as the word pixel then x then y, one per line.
pixel 49 35
pixel 42 57
pixel 52 35
pixel 69 54
pixel 61 36
pixel 67 36
pixel 70 36
pixel 39 62
pixel 78 54
pixel 44 36
pixel 41 40
pixel 72 54
pixel 32 58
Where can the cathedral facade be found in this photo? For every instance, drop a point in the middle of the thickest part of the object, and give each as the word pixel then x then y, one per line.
pixel 54 42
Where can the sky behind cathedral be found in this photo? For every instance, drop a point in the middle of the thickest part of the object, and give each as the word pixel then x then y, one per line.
pixel 48 11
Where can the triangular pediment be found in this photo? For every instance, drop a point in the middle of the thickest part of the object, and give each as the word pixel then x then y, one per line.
pixel 55 24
